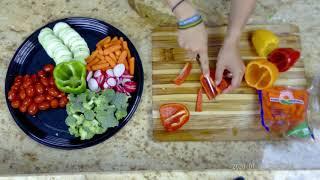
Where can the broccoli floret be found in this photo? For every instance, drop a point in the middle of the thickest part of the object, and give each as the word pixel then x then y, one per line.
pixel 107 119
pixel 121 101
pixel 121 113
pixel 89 114
pixel 71 121
pixel 85 134
pixel 80 118
pixel 74 131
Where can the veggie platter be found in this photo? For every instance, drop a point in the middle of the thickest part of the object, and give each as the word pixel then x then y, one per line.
pixel 74 83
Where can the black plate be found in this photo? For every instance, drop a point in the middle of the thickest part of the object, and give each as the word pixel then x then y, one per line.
pixel 48 127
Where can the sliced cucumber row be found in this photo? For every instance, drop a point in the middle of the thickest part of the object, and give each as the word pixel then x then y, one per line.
pixel 63 43
pixel 72 40
pixel 54 46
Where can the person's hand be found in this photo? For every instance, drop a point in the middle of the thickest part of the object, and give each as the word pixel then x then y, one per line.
pixel 195 39
pixel 229 59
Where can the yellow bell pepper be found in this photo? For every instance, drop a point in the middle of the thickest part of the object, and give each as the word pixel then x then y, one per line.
pixel 264 41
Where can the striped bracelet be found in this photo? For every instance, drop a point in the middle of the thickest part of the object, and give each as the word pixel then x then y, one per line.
pixel 190 22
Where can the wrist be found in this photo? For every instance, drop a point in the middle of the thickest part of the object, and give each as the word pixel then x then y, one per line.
pixel 184 10
pixel 232 37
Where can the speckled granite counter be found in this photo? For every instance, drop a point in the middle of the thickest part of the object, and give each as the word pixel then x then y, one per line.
pixel 132 148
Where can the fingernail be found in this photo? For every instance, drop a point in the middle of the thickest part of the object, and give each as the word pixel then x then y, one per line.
pixel 217 82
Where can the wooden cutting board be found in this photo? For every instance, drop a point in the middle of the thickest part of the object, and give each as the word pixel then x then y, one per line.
pixel 233 116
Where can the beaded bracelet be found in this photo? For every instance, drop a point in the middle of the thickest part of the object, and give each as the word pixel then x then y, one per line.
pixel 190 22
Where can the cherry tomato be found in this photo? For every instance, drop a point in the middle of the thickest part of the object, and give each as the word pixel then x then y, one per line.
pixel 61 94
pixel 44 105
pixel 63 101
pixel 51 81
pixel 48 68
pixel 27 101
pixel 32 109
pixel 39 88
pixel 11 95
pixel 18 78
pixel 22 94
pixel 34 78
pixel 38 99
pixel 54 103
pixel 17 83
pixel 30 91
pixel 44 81
pixel 23 108
pixel 49 98
pixel 15 103
pixel 53 92
pixel 27 83
pixel 15 88
pixel 26 77
pixel 41 74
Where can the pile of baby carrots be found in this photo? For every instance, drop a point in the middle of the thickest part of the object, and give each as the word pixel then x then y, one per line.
pixel 110 52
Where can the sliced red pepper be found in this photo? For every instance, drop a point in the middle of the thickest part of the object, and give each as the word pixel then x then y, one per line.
pixel 199 101
pixel 173 116
pixel 225 82
pixel 284 58
pixel 183 74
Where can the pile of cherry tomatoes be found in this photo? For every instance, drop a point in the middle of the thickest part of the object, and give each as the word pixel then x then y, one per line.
pixel 31 93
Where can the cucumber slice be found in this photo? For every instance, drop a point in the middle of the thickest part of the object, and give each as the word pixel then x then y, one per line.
pixel 59 26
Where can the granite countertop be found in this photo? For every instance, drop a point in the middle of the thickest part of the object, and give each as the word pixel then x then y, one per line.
pixel 133 148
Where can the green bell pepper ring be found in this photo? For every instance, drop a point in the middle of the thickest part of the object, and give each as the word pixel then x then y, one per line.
pixel 70 77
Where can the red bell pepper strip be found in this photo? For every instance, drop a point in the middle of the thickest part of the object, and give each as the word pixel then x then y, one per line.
pixel 173 116
pixel 225 82
pixel 284 58
pixel 199 101
pixel 183 74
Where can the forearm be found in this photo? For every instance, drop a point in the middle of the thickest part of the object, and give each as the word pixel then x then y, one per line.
pixel 183 11
pixel 239 14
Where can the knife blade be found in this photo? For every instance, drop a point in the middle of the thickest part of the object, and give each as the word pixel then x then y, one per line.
pixel 208 78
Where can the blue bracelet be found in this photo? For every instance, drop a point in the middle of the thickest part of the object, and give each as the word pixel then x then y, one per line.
pixel 190 20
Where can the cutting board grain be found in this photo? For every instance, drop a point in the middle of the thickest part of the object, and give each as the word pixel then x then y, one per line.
pixel 233 116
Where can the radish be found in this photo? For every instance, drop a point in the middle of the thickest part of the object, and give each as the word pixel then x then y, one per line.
pixel 118 70
pixel 130 86
pixel 105 85
pixel 110 73
pixel 111 82
pixel 97 74
pixel 125 80
pixel 127 76
pixel 93 85
pixel 100 80
pixel 89 75
pixel 120 89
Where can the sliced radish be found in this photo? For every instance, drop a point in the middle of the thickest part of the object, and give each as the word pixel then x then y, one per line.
pixel 89 75
pixel 125 80
pixel 93 85
pixel 111 82
pixel 130 86
pixel 118 70
pixel 119 89
pixel 100 80
pixel 97 74
pixel 105 85
pixel 127 76
pixel 110 73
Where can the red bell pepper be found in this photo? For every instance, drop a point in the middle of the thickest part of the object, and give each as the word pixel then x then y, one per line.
pixel 183 74
pixel 225 82
pixel 199 101
pixel 173 116
pixel 284 58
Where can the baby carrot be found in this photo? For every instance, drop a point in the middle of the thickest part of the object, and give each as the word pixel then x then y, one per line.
pixel 122 57
pixel 114 38
pixel 92 56
pixel 121 39
pixel 99 66
pixel 117 42
pixel 125 46
pixel 118 53
pixel 111 49
pixel 110 61
pixel 131 66
pixel 100 57
pixel 93 62
pixel 113 57
pixel 103 41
